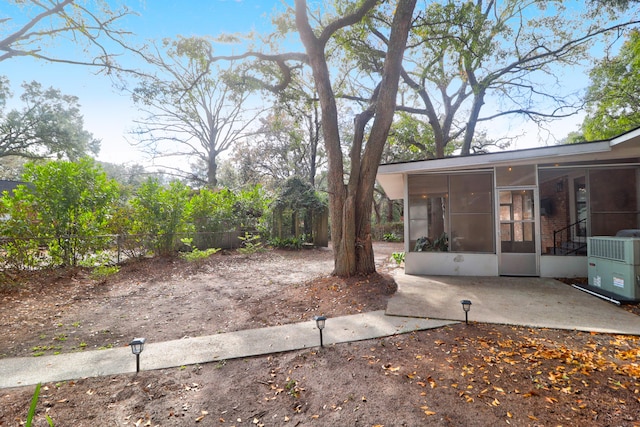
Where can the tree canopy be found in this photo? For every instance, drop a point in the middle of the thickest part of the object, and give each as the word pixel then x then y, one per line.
pixel 48 125
pixel 613 98
pixel 91 24
pixel 469 63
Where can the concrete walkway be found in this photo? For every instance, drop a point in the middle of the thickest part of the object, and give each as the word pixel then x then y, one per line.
pixel 16 372
pixel 525 301
pixel 420 303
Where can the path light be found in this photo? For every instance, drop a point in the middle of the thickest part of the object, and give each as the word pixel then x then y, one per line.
pixel 466 306
pixel 320 324
pixel 137 345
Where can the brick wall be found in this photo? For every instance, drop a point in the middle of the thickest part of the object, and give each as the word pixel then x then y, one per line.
pixel 560 213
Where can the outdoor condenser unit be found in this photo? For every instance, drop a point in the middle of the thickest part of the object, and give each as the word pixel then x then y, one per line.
pixel 614 267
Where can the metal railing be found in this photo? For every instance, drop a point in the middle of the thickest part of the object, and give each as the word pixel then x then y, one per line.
pixel 562 242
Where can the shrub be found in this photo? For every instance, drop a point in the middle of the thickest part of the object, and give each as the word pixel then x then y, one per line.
pixel 391 237
pixel 398 257
pixel 251 243
pixel 292 243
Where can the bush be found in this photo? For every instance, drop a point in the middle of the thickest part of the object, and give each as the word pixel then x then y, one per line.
pixel 378 231
pixel 398 257
pixel 292 243
pixel 391 237
pixel 196 254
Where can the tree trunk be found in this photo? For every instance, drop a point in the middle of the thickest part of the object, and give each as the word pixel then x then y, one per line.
pixel 212 171
pixel 390 206
pixel 350 205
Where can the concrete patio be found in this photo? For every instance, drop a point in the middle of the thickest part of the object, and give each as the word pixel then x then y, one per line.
pixel 524 301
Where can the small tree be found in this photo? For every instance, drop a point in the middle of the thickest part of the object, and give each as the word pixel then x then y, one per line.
pixel 158 213
pixel 68 204
pixel 218 217
pixel 297 200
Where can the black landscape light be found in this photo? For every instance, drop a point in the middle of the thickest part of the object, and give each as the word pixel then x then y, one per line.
pixel 466 306
pixel 137 345
pixel 320 324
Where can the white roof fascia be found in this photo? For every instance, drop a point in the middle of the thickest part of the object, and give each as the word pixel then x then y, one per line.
pixel 626 137
pixel 528 156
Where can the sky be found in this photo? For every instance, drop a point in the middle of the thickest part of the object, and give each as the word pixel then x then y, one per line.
pixel 109 115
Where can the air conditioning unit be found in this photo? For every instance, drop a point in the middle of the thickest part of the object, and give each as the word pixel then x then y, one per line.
pixel 614 267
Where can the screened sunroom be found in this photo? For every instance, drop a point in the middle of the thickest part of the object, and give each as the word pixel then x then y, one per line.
pixel 521 213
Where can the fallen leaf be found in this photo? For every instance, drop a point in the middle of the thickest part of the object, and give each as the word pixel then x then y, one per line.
pixel 432 382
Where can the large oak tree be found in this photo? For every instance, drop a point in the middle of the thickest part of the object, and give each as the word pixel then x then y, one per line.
pixel 351 177
pixel 49 124
pixel 193 109
pixel 351 192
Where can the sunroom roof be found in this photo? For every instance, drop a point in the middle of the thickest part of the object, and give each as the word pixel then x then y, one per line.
pixel 626 146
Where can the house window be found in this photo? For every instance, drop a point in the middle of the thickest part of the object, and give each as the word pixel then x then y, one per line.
pixel 451 212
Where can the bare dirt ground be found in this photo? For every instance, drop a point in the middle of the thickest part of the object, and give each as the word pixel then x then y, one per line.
pixel 462 375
